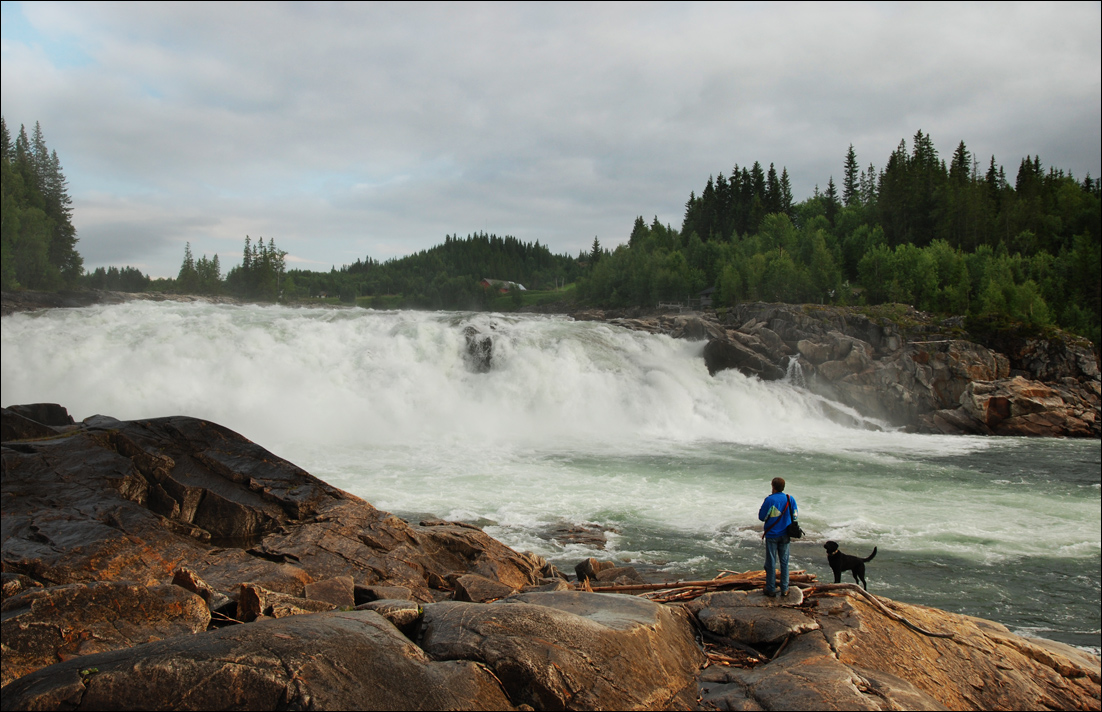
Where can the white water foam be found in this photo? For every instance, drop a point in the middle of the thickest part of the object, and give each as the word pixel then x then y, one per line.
pixel 575 422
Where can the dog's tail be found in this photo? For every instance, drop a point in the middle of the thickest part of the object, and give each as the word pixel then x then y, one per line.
pixel 871 555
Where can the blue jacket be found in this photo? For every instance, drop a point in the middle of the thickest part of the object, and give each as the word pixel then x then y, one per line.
pixel 777 514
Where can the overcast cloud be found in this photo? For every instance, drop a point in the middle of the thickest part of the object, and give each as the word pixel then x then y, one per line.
pixel 346 131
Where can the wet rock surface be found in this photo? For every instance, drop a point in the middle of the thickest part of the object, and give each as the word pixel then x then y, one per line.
pixel 480 350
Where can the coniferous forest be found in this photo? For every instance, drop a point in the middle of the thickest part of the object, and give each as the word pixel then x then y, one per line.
pixel 37 238
pixel 957 236
pixel 942 236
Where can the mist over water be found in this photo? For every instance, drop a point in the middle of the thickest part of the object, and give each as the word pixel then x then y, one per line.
pixel 586 423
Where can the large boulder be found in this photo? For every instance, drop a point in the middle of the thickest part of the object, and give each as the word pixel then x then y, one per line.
pixel 328 661
pixel 722 354
pixel 479 350
pixel 43 626
pixel 573 650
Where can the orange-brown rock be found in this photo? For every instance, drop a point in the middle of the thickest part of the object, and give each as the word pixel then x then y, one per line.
pixel 43 626
pixel 328 661
pixel 149 502
pixel 839 651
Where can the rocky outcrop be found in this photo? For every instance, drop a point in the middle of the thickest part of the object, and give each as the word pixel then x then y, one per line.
pixel 1019 406
pixel 480 350
pixel 900 367
pixel 141 501
pixel 835 650
pixel 335 661
pixel 99 517
pixel 722 354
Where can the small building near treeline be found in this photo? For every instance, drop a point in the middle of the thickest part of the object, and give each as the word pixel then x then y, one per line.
pixel 502 285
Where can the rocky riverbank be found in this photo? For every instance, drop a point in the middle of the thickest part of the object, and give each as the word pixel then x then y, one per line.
pixel 171 563
pixel 899 366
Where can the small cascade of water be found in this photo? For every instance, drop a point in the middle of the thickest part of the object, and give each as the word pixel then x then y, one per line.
pixel 794 373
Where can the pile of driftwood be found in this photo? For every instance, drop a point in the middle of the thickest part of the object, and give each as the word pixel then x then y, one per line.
pixel 677 591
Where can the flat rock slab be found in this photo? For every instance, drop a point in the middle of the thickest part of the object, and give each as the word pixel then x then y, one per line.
pixel 573 650
pixel 329 661
pixel 742 599
pixel 756 626
pixel 751 617
pixel 43 626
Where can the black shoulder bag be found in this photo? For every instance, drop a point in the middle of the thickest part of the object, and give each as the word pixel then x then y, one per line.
pixel 793 531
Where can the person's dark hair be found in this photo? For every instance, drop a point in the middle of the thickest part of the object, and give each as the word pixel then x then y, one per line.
pixel 778 484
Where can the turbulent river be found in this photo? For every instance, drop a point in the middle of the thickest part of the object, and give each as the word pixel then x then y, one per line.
pixel 582 424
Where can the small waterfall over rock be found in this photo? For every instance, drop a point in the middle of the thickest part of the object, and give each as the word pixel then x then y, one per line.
pixel 794 372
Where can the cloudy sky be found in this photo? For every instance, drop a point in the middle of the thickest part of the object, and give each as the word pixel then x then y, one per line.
pixel 346 131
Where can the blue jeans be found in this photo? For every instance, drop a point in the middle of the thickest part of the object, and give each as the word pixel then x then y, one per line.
pixel 776 551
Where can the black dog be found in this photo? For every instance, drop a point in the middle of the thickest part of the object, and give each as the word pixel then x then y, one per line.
pixel 840 562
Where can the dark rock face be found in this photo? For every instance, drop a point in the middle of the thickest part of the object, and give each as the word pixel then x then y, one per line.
pixel 339 660
pixel 571 650
pixel 722 354
pixel 480 350
pixel 43 626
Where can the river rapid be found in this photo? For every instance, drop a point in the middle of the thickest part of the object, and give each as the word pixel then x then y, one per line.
pixel 582 424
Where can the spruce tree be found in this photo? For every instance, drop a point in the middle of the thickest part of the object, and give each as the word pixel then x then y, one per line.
pixel 831 197
pixel 851 188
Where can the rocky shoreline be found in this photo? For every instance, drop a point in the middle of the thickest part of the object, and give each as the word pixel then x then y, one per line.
pixel 171 563
pixel 902 369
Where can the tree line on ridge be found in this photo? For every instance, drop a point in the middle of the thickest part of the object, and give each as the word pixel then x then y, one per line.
pixel 941 235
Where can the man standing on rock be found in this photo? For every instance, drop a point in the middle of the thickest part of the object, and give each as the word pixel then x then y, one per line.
pixel 776 511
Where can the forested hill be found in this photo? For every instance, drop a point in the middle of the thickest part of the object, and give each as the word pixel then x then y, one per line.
pixel 37 237
pixel 945 237
pixel 447 275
